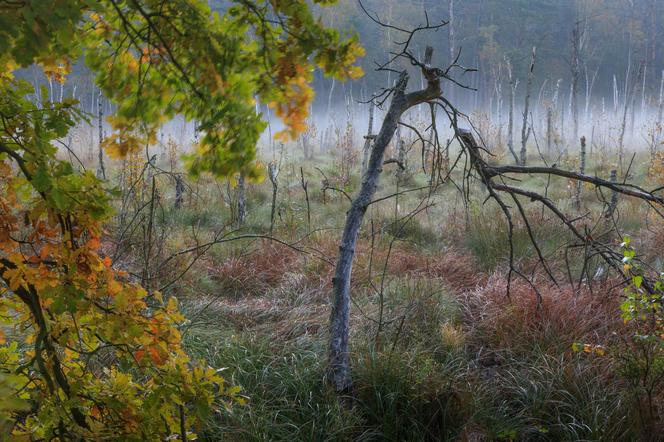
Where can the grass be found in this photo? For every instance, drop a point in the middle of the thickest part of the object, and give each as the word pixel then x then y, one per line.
pixel 554 398
pixel 486 237
pixel 455 359
pixel 288 401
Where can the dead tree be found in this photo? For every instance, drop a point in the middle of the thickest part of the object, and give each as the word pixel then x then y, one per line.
pixel 305 186
pixel 450 30
pixel 549 129
pixel 623 126
pixel 339 362
pixel 101 171
pixel 450 34
pixel 402 160
pixel 514 84
pixel 582 170
pixel 401 101
pixel 179 191
pixel 660 111
pixel 611 208
pixel 273 173
pixel 501 183
pixel 525 131
pixel 307 139
pixel 575 64
pixel 368 139
pixel 241 201
pixel 498 182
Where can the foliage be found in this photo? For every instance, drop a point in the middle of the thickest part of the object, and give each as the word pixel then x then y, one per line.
pixel 93 355
pixel 642 351
pixel 158 59
pixel 100 357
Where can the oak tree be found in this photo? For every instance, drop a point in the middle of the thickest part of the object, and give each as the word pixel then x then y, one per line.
pixel 85 352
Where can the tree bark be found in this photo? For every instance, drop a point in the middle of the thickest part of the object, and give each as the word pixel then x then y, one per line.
pixel 273 173
pixel 101 172
pixel 660 111
pixel 179 191
pixel 549 129
pixel 241 201
pixel 524 128
pixel 339 360
pixel 582 171
pixel 368 139
pixel 576 72
pixel 510 121
pixel 338 350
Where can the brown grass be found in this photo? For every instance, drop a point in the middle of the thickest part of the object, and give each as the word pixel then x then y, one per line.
pixel 553 323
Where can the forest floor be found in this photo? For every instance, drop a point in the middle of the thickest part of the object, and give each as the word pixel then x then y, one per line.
pixel 440 349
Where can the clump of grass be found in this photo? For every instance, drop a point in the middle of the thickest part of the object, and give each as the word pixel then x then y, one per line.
pixel 414 312
pixel 408 396
pixel 287 396
pixel 254 274
pixel 554 398
pixel 524 323
pixel 530 384
pixel 486 237
pixel 202 216
pixel 456 269
pixel 412 231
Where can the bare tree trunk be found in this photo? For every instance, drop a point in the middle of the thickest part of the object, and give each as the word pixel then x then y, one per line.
pixel 273 173
pixel 305 187
pixel 590 83
pixel 539 98
pixel 101 171
pixel 50 89
pixel 241 201
pixel 562 124
pixel 556 100
pixel 338 352
pixel 549 129
pixel 525 132
pixel 368 138
pixel 451 40
pixel 577 46
pixel 510 118
pixel 643 90
pixel 450 31
pixel 179 191
pixel 329 101
pixel 632 119
pixel 623 127
pixel 269 131
pixel 339 369
pixel 614 196
pixel 582 170
pixel 660 112
pixel 615 95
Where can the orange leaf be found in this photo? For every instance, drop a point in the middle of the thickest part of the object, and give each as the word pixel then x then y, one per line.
pixel 156 356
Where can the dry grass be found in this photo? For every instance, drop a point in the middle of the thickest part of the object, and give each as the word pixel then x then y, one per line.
pixel 553 322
